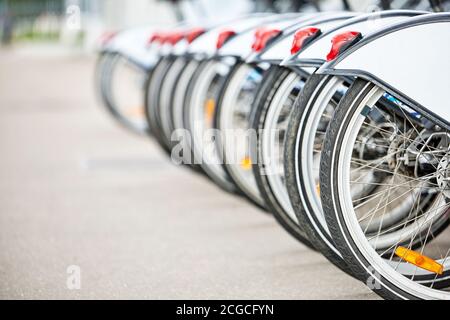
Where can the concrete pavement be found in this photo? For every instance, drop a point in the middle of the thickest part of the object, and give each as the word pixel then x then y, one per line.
pixel 76 189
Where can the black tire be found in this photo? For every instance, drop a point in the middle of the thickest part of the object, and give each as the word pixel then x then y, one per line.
pixel 294 136
pixel 356 261
pixel 271 83
pixel 217 119
pixel 225 184
pixel 172 97
pixel 101 71
pixel 152 100
pixel 186 126
pixel 180 91
pixel 163 112
pixel 105 68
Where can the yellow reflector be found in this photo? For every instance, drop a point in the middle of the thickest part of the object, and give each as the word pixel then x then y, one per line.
pixel 135 112
pixel 318 189
pixel 246 163
pixel 419 260
pixel 210 107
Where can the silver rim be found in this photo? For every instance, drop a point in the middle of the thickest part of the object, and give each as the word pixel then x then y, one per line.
pixel 125 91
pixel 201 110
pixel 166 94
pixel 180 94
pixel 273 137
pixel 422 220
pixel 235 114
pixel 315 123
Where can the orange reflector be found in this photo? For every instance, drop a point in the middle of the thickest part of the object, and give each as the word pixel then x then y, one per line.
pixel 246 163
pixel 210 107
pixel 318 189
pixel 419 260
pixel 135 112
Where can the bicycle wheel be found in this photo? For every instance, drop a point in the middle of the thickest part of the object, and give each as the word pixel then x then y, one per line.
pixel 303 147
pixel 180 133
pixel 199 114
pixel 102 71
pixel 153 100
pixel 163 108
pixel 121 84
pixel 274 104
pixel 233 119
pixel 385 194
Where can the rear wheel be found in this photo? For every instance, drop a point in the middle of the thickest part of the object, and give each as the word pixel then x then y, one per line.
pixel 274 104
pixel 164 107
pixel 385 194
pixel 303 147
pixel 199 114
pixel 153 100
pixel 121 85
pixel 233 119
pixel 178 102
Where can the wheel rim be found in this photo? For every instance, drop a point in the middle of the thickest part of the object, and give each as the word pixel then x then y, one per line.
pixel 315 122
pixel 273 137
pixel 201 118
pixel 393 267
pixel 166 94
pixel 235 115
pixel 125 92
pixel 153 99
pixel 179 99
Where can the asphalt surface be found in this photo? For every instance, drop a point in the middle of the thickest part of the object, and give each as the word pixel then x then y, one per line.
pixel 77 189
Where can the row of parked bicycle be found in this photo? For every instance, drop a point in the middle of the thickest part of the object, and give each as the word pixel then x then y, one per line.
pixel 336 123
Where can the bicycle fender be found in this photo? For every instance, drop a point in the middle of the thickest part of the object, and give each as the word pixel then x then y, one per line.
pixel 315 54
pixel 410 59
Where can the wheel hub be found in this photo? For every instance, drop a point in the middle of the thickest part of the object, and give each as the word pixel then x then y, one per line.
pixel 443 175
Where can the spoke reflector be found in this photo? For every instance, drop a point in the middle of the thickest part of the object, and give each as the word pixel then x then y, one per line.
pixel 135 111
pixel 210 108
pixel 246 163
pixel 419 260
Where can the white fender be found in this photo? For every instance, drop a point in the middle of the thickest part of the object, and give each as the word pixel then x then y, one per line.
pixel 133 45
pixel 206 43
pixel 315 54
pixel 240 46
pixel 410 59
pixel 281 48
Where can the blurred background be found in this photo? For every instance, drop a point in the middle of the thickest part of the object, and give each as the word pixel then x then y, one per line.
pixel 78 23
pixel 78 190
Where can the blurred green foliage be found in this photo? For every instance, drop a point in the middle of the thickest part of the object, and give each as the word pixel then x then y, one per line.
pixel 32 20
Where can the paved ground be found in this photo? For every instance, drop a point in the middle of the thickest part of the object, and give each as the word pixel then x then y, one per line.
pixel 75 189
